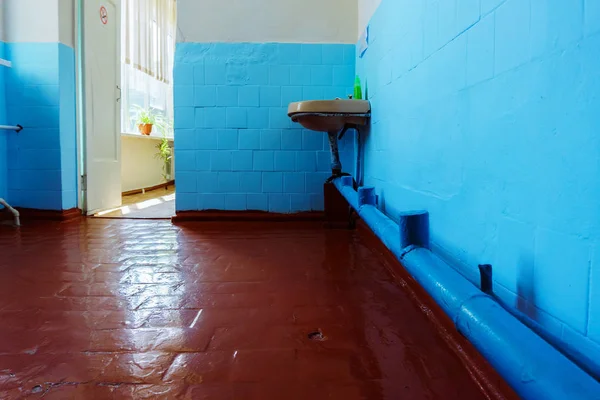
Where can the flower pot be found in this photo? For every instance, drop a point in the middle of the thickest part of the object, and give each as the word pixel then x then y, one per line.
pixel 145 129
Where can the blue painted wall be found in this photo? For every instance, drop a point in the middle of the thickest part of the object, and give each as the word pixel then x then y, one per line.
pixel 3 134
pixel 485 113
pixel 67 126
pixel 42 160
pixel 235 146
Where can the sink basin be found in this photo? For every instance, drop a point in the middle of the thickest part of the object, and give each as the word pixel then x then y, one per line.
pixel 330 115
pixel 333 117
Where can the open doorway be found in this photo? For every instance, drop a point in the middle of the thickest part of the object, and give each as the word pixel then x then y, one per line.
pixel 153 204
pixel 127 137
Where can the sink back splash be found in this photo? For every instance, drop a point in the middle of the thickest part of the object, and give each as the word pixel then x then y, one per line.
pixel 235 146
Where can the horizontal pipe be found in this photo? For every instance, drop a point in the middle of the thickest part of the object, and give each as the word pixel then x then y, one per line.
pixel 534 368
pixel 586 361
pixel 449 289
pixel 529 364
pixel 16 128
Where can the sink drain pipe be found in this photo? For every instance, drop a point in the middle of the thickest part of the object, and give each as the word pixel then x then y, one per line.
pixel 529 364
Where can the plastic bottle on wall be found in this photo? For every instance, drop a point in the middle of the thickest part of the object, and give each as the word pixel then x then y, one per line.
pixel 357 89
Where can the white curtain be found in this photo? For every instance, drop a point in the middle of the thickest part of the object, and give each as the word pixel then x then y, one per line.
pixel 149 36
pixel 148 47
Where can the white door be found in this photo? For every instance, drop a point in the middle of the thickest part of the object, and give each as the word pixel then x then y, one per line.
pixel 101 35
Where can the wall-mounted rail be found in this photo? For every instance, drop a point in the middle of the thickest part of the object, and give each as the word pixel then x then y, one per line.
pixel 16 128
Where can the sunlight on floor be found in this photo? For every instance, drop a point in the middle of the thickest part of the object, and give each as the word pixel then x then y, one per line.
pixel 148 203
pixel 153 204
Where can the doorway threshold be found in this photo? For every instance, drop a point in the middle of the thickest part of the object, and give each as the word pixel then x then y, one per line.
pixel 153 204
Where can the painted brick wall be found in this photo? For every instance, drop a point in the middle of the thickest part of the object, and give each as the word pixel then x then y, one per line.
pixel 235 147
pixel 485 112
pixel 67 126
pixel 41 158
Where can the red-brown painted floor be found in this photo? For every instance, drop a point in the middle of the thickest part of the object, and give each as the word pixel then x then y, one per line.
pixel 140 309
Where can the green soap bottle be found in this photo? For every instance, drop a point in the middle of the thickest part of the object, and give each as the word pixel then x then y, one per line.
pixel 357 89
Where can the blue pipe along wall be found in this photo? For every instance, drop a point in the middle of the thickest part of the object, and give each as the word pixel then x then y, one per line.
pixel 529 364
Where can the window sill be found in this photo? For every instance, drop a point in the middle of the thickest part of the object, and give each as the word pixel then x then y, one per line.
pixel 144 137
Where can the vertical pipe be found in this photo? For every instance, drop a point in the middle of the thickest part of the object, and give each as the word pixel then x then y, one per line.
pixel 487 283
pixel 414 229
pixel 336 165
pixel 359 160
pixel 14 212
pixel 366 196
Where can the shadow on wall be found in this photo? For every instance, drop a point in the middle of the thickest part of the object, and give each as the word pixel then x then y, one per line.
pixel 525 286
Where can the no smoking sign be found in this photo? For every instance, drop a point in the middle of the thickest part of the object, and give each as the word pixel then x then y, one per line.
pixel 103 15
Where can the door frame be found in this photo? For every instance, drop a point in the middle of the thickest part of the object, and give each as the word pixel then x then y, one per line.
pixel 80 101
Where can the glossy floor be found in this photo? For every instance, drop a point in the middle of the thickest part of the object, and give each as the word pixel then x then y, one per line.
pixel 102 309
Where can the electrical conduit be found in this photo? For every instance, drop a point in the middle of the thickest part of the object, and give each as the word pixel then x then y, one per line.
pixel 530 365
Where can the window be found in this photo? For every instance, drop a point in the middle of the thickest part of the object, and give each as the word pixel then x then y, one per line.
pixel 147 51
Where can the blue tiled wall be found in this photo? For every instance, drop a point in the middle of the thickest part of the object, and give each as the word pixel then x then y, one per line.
pixel 485 112
pixel 68 126
pixel 235 147
pixel 3 134
pixel 41 158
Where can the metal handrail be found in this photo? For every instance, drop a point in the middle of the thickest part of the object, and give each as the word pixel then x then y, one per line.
pixel 16 128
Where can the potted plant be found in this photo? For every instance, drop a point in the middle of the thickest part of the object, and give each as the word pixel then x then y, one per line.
pixel 145 120
pixel 165 151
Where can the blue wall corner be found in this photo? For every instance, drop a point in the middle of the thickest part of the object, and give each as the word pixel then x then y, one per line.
pixel 68 126
pixel 232 132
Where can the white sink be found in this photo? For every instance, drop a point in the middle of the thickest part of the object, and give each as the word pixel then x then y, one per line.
pixel 330 115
